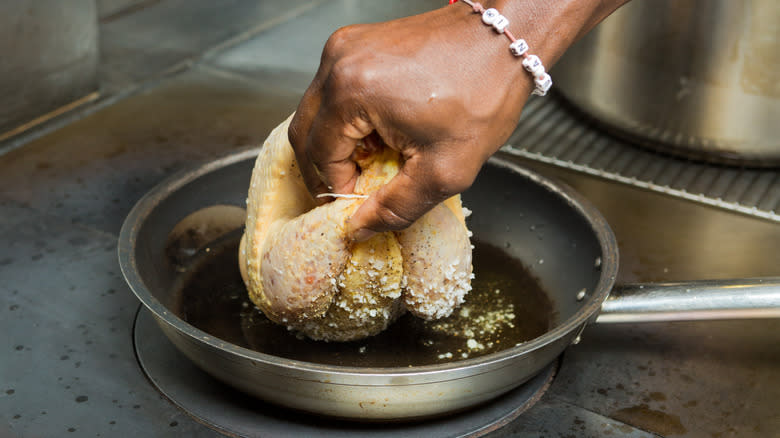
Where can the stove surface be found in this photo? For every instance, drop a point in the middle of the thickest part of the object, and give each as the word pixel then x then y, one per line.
pixel 69 367
pixel 233 413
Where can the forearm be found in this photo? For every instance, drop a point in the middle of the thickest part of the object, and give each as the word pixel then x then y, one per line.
pixel 549 28
pixel 553 25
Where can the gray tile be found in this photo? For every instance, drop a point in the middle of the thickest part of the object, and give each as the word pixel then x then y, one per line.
pixel 110 8
pixel 67 362
pixel 556 419
pixel 94 170
pixel 289 54
pixel 49 58
pixel 681 379
pixel 137 45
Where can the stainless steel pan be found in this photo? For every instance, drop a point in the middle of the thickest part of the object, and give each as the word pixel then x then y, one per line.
pixel 563 240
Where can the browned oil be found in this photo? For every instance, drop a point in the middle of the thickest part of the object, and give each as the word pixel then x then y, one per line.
pixel 214 299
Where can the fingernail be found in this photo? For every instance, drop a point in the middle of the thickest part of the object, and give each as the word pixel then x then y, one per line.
pixel 362 235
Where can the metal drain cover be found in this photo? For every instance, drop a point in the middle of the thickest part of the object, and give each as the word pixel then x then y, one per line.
pixel 552 132
pixel 233 413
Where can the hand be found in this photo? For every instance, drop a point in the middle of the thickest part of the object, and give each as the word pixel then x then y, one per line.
pixel 440 87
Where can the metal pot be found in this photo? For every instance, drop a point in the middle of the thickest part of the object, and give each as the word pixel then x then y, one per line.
pixel 510 205
pixel 695 78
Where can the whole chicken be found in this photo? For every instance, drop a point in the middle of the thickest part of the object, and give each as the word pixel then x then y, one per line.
pixel 302 271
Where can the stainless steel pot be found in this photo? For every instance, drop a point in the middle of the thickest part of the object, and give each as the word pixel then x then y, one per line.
pixel 511 204
pixel 696 78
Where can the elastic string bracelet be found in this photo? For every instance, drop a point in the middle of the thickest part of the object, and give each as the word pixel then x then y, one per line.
pixel 517 46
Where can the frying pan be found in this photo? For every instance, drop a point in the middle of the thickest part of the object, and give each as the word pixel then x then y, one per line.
pixel 563 240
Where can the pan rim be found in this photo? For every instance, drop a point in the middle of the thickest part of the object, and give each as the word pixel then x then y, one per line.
pixel 472 366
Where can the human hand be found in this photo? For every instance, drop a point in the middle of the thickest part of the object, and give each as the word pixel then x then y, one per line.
pixel 440 87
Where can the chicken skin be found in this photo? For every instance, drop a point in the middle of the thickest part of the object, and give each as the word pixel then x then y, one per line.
pixel 302 271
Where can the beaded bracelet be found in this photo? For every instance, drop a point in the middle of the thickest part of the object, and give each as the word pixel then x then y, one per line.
pixel 517 46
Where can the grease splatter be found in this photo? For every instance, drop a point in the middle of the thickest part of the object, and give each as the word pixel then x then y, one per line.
pixel 650 419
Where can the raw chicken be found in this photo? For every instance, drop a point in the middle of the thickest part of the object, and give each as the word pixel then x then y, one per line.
pixel 301 271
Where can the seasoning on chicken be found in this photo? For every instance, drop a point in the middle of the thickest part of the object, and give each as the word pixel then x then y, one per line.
pixel 301 270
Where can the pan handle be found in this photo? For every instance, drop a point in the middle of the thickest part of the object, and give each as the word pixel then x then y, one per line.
pixel 690 301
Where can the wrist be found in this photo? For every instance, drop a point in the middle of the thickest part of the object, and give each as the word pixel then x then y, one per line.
pixel 511 54
pixel 550 27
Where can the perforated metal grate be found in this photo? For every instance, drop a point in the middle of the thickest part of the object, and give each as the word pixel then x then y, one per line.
pixel 552 132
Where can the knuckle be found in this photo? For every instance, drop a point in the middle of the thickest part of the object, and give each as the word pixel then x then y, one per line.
pixel 392 220
pixel 461 183
pixel 339 42
pixel 348 75
pixel 446 179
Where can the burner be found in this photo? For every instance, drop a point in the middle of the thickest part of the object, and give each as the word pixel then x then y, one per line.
pixel 236 414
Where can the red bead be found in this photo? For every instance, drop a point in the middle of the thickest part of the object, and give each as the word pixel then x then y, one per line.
pixel 453 1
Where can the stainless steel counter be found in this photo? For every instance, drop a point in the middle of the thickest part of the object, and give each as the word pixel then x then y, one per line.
pixel 69 366
pixel 49 51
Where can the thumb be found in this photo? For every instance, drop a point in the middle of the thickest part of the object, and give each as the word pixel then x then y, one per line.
pixel 410 194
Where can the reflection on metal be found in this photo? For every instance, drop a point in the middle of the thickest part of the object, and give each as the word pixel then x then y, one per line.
pixel 550 132
pixel 91 97
pixel 109 10
pixel 699 300
pixel 695 81
pixel 49 57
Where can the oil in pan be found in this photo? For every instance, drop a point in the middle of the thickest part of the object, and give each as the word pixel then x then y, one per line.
pixel 506 307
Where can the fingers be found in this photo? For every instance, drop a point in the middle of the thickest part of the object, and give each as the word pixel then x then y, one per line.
pixel 328 124
pixel 330 146
pixel 324 139
pixel 422 183
pixel 322 150
pixel 298 133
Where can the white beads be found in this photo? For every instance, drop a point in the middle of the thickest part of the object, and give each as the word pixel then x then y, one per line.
pixel 491 17
pixel 533 65
pixel 542 80
pixel 519 47
pixel 543 84
pixel 501 24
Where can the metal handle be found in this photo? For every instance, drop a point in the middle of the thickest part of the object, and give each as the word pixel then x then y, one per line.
pixel 696 300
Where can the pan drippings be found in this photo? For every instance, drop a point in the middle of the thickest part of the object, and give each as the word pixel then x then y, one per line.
pixel 505 307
